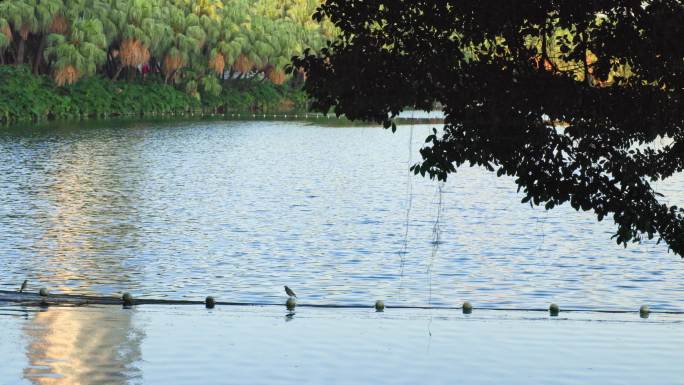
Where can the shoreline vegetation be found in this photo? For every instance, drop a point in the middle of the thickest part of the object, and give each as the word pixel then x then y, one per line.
pixel 62 59
pixel 29 98
pixel 25 97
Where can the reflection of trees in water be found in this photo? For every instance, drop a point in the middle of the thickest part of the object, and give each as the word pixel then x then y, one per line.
pixel 88 226
pixel 83 346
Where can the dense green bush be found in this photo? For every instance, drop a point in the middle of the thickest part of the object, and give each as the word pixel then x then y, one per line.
pixel 256 96
pixel 28 97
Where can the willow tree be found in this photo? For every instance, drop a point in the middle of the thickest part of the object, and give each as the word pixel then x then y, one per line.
pixel 5 38
pixel 227 43
pixel 77 54
pixel 20 16
pixel 48 20
pixel 480 61
pixel 209 8
pixel 135 22
pixel 186 40
pixel 235 21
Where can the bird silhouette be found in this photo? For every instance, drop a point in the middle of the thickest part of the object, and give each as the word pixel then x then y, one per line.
pixel 290 292
pixel 23 286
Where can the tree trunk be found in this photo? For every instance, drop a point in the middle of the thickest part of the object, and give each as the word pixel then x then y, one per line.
pixel 39 55
pixel 169 76
pixel 20 52
pixel 109 65
pixel 118 72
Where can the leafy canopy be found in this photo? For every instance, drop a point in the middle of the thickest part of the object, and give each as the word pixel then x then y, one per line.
pixel 189 42
pixel 567 96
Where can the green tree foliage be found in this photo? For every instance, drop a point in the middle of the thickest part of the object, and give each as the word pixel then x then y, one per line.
pixel 505 73
pixel 195 45
pixel 77 54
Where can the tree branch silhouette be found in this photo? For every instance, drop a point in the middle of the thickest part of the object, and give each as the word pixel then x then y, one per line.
pixel 575 130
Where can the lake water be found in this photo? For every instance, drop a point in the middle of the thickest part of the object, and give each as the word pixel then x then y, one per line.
pixel 238 209
pixel 262 345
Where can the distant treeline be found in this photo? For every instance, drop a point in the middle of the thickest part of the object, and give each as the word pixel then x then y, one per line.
pixel 193 54
pixel 193 44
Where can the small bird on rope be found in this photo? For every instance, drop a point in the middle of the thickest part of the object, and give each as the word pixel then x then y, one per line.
pixel 23 286
pixel 290 292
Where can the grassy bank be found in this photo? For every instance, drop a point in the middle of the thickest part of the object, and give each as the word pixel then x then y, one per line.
pixel 27 97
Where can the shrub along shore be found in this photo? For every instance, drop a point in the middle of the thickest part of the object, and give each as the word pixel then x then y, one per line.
pixel 27 97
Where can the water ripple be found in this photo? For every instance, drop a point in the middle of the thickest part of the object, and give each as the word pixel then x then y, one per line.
pixel 237 210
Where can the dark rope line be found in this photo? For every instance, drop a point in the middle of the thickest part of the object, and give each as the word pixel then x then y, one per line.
pixel 80 300
pixel 312 117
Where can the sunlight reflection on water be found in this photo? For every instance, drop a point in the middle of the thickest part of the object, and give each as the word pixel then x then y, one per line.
pixel 258 345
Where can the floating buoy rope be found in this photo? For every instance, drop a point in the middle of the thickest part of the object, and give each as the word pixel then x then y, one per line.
pixel 36 299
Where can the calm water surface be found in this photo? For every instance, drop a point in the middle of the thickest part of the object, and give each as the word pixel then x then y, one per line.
pixel 257 345
pixel 238 209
